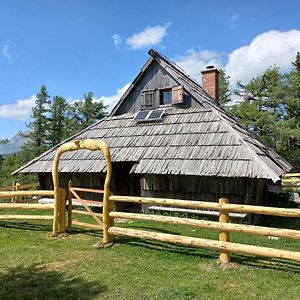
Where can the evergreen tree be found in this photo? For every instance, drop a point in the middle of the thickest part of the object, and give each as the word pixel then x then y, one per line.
pixel 225 91
pixel 38 136
pixel 296 63
pixel 86 111
pixel 290 128
pixel 262 106
pixel 58 120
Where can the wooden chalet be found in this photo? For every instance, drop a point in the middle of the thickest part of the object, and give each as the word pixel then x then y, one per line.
pixel 169 138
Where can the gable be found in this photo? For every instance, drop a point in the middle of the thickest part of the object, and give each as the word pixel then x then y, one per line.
pixel 154 79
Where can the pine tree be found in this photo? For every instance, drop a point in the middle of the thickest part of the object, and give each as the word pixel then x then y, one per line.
pixel 57 124
pixel 225 91
pixel 38 136
pixel 296 63
pixel 86 111
pixel 291 126
pixel 262 106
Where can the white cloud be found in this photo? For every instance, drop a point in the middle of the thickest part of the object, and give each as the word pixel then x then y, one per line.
pixel 21 110
pixel 150 36
pixel 117 40
pixel 266 50
pixel 193 62
pixel 5 52
pixel 111 101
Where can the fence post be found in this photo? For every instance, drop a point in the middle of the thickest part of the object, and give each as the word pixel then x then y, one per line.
pixel 69 206
pixel 224 235
pixel 17 188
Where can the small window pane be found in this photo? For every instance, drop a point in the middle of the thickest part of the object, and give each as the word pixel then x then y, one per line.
pixel 165 96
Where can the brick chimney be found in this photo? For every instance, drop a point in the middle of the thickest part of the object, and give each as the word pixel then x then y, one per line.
pixel 210 81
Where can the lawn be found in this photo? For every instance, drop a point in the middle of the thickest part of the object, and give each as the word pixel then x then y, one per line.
pixel 36 266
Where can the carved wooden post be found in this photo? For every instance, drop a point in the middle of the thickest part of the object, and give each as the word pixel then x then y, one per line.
pixel 69 206
pixel 224 235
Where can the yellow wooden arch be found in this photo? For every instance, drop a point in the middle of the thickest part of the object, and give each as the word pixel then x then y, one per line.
pixel 77 145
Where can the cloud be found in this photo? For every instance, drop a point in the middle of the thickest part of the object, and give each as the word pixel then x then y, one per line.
pixel 233 19
pixel 150 36
pixel 117 40
pixel 5 51
pixel 111 101
pixel 193 62
pixel 266 50
pixel 21 110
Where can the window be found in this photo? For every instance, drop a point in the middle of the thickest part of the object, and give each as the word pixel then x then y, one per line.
pixel 148 98
pixel 165 96
pixel 170 96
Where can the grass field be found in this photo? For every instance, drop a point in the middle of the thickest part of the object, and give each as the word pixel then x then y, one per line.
pixel 36 266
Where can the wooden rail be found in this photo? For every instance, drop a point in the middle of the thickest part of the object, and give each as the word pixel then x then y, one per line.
pixel 291 182
pixel 25 217
pixel 88 190
pixel 205 243
pixel 27 206
pixel 223 226
pixel 19 187
pixel 274 211
pixel 18 194
pixel 9 194
pixel 229 227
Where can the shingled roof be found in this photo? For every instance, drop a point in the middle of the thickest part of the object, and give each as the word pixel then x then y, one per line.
pixel 200 141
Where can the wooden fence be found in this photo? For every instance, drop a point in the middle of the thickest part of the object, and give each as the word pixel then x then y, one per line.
pixel 110 231
pixel 61 207
pixel 223 226
pixel 20 187
pixel 291 182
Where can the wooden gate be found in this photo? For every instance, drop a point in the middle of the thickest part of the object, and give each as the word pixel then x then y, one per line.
pixel 74 199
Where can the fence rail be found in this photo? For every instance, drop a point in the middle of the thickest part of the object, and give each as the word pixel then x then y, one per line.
pixel 291 182
pixel 19 187
pixel 38 206
pixel 240 208
pixel 223 226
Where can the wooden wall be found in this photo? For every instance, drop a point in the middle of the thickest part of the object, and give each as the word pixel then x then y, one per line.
pixel 238 190
pixel 155 78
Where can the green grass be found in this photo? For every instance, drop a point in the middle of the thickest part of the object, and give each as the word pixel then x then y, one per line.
pixel 36 266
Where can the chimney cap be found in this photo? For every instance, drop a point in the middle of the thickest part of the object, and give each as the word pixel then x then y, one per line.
pixel 210 69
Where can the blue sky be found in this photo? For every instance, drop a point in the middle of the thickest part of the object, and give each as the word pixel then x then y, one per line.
pixel 78 46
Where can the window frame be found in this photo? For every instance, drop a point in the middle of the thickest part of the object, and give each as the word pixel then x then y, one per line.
pixel 161 100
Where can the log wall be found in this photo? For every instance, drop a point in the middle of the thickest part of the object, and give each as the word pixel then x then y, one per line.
pixel 239 190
